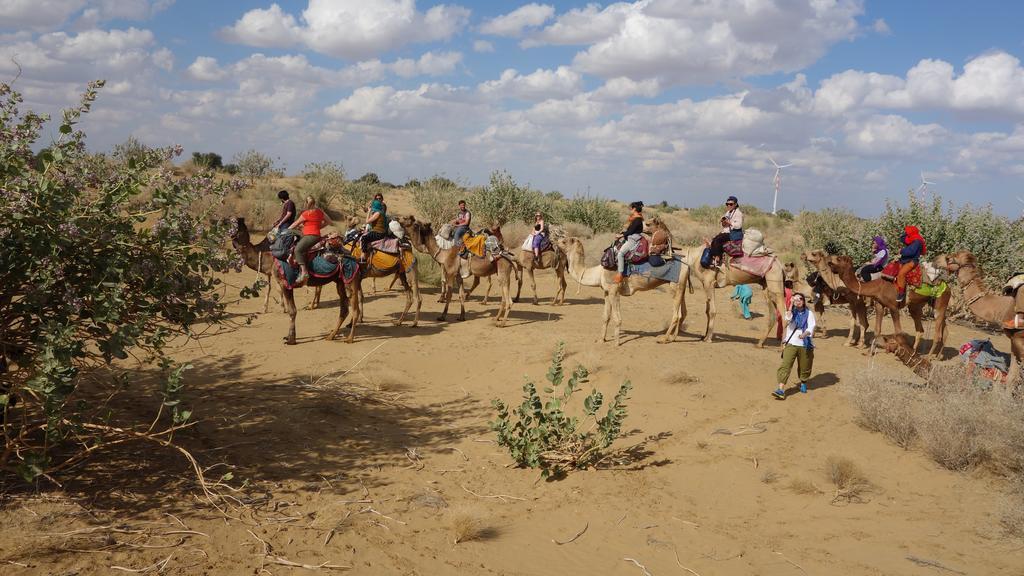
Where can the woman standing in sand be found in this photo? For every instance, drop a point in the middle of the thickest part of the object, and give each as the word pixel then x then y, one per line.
pixel 797 346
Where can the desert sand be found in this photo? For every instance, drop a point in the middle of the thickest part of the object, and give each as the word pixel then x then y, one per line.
pixel 375 468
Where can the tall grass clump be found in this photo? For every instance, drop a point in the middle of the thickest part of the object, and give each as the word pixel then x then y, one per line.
pixel 836 231
pixel 593 212
pixel 89 280
pixel 502 198
pixel 436 199
pixel 254 165
pixel 324 182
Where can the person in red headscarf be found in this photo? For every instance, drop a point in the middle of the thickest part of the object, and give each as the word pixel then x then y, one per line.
pixel 910 257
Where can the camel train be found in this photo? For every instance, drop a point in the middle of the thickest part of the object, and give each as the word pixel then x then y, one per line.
pixel 684 270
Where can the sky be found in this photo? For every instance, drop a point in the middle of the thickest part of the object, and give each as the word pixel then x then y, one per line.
pixel 679 100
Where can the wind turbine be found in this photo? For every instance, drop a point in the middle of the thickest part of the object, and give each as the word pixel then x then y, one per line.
pixel 777 180
pixel 924 186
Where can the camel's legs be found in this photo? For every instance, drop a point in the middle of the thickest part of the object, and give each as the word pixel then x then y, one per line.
pixel 487 294
pixel 518 270
pixel 859 309
pixel 916 312
pixel 710 307
pixel 1016 357
pixel 408 297
pixel 677 314
pixel 446 298
pixel 506 297
pixel 776 307
pixel 343 304
pixel 414 281
pixel 316 299
pixel 462 297
pixel 940 307
pixel 289 298
pixel 617 314
pixel 533 284
pixel 897 325
pixel 606 315
pixel 270 288
pixel 356 307
pixel 819 315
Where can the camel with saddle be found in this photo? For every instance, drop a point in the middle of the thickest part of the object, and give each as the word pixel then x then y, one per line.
pixel 993 308
pixel 837 293
pixel 388 257
pixel 480 262
pixel 924 287
pixel 551 258
pixel 639 278
pixel 344 275
pixel 751 263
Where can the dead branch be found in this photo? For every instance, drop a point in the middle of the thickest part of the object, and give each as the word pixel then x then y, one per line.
pixel 151 568
pixel 573 539
pixel 502 497
pixel 639 565
pixel 933 564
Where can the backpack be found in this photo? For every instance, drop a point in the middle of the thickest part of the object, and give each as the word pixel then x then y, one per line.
pixel 608 258
pixel 639 254
pixel 283 244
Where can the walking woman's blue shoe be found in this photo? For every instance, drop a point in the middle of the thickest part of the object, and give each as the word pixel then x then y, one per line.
pixel 803 388
pixel 779 394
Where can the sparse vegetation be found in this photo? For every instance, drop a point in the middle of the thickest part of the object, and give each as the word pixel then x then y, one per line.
pixel 254 166
pixel 850 482
pixel 539 434
pixel 467 527
pixel 503 198
pixel 804 487
pixel 436 199
pixel 324 182
pixel 594 213
pixel 208 160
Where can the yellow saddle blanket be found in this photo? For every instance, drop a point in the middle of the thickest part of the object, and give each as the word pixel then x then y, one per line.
pixel 383 261
pixel 475 244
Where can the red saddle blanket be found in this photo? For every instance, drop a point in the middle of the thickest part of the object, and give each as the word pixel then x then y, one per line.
pixel 756 265
pixel 388 245
pixel 893 268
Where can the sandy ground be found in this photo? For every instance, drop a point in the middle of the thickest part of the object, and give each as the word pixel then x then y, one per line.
pixel 371 469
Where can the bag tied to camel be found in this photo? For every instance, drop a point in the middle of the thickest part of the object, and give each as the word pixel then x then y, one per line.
pixel 1013 284
pixel 283 244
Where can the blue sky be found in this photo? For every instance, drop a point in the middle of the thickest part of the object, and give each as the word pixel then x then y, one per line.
pixel 681 100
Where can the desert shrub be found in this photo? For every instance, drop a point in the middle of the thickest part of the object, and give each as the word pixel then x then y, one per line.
pixel 837 232
pixel 503 198
pixel 324 182
pixel 436 199
pixel 959 421
pixel 253 165
pixel 577 230
pixel 89 280
pixel 231 169
pixel 784 215
pixel 208 160
pixel 369 178
pixel 851 484
pixel 428 271
pixel 355 196
pixel 593 212
pixel 708 214
pixel 539 434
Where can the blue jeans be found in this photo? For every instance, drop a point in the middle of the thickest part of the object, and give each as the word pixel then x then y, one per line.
pixel 632 241
pixel 460 231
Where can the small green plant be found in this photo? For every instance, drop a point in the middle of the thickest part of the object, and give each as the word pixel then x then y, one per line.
pixel 593 212
pixel 539 433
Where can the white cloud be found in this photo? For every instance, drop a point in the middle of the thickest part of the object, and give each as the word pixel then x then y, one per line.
pixel 348 28
pixel 429 64
pixel 402 109
pixel 891 135
pixel 880 26
pixel 163 59
pixel 36 14
pixel 104 10
pixel 513 23
pixel 540 85
pixel 682 42
pixel 111 54
pixel 205 68
pixel 482 46
pixel 990 83
pixel 431 149
pixel 622 88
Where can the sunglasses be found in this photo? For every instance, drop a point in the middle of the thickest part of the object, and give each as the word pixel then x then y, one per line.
pixel 730 203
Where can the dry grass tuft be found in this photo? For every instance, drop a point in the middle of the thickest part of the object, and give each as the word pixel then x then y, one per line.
pixel 885 407
pixel 770 477
pixel 1012 512
pixel 850 482
pixel 467 526
pixel 802 486
pixel 679 377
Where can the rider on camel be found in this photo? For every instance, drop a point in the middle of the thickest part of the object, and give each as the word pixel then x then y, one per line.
pixel 631 238
pixel 910 257
pixel 312 220
pixel 732 229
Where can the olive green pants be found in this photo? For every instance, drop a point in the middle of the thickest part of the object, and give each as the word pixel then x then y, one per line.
pixel 303 246
pixel 804 358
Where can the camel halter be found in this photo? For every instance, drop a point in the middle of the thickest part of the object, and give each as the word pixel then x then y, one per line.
pixel 981 289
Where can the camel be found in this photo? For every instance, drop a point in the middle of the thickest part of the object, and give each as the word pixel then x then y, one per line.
pixel 710 279
pixel 838 293
pixel 408 277
pixel 348 294
pixel 260 259
pixel 883 292
pixel 421 234
pixel 992 308
pixel 598 276
pixel 551 259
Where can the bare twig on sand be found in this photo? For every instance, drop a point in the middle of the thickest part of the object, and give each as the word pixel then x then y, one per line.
pixel 365 356
pixel 324 566
pixel 791 562
pixel 151 568
pixel 680 564
pixel 502 497
pixel 573 539
pixel 369 510
pixel 639 565
pixel 933 564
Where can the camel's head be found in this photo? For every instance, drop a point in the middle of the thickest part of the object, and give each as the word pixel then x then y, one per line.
pixel 839 263
pixel 570 245
pixel 813 257
pixel 895 342
pixel 790 272
pixel 238 232
pixel 954 261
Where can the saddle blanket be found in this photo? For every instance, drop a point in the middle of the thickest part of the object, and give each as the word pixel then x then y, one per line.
pixel 932 291
pixel 444 243
pixel 669 272
pixel 475 244
pixel 756 265
pixel 388 245
pixel 321 270
pixel 913 277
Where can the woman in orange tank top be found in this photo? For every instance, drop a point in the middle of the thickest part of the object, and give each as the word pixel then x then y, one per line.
pixel 311 220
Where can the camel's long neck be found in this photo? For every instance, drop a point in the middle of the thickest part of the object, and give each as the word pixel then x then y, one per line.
pixel 850 280
pixel 585 276
pixel 919 364
pixel 981 303
pixel 831 278
pixel 251 255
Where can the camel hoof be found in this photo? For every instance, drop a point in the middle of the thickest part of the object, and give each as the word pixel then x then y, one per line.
pixel 759 346
pixel 396 322
pixel 850 344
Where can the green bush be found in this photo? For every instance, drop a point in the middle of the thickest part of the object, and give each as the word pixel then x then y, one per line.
pixel 355 196
pixel 208 160
pixel 132 149
pixel 595 213
pixel 784 215
pixel 324 182
pixel 253 165
pixel 836 231
pixel 88 279
pixel 505 199
pixel 539 434
pixel 436 199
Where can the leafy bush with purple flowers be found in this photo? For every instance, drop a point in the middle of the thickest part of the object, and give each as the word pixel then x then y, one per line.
pixel 91 275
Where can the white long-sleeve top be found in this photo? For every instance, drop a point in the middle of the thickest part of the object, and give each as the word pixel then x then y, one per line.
pixel 797 338
pixel 735 218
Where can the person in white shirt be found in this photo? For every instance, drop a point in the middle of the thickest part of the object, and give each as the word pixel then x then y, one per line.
pixel 732 229
pixel 798 346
